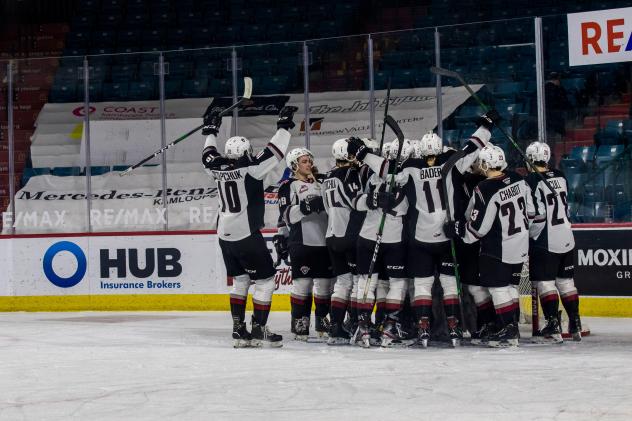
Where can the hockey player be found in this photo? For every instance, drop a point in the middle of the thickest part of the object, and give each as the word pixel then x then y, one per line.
pixel 552 245
pixel 391 259
pixel 240 181
pixel 501 209
pixel 429 249
pixel 341 186
pixel 302 208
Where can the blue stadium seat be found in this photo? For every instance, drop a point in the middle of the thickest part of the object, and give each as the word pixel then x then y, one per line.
pixel 173 88
pixel 115 91
pixel 452 137
pixel 123 72
pixel 219 87
pixel 507 90
pixel 63 93
pixel 583 153
pixel 139 91
pixel 610 151
pixel 194 88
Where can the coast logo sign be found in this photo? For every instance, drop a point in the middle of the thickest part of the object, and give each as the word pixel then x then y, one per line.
pixel 67 255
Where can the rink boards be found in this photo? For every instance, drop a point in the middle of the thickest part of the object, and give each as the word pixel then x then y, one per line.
pixel 184 271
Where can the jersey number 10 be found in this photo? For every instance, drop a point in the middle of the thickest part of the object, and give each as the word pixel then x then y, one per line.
pixel 229 196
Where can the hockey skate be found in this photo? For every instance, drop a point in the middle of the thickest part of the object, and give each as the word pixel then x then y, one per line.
pixel 322 328
pixel 362 335
pixel 575 327
pixel 393 336
pixel 241 336
pixel 505 337
pixel 552 332
pixel 376 334
pixel 301 329
pixel 455 332
pixel 263 338
pixel 423 332
pixel 481 336
pixel 337 335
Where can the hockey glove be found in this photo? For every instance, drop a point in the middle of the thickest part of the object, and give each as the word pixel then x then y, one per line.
pixel 312 204
pixel 212 121
pixel 357 148
pixel 454 229
pixel 488 120
pixel 285 118
pixel 281 248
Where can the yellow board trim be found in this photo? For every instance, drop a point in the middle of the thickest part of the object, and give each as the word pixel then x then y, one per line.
pixel 597 306
pixel 589 306
pixel 155 302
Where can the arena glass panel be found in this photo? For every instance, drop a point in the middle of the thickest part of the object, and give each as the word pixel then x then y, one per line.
pixel 589 127
pixel 500 65
pixel 48 118
pixel 194 79
pixel 403 58
pixel 124 128
pixel 338 69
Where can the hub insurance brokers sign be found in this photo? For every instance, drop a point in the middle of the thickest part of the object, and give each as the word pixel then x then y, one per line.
pixel 597 37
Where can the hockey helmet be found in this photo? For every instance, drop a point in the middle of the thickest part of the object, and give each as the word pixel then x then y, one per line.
pixel 538 152
pixel 236 147
pixel 339 150
pixel 431 144
pixel 293 156
pixel 492 157
pixel 386 149
pixel 407 149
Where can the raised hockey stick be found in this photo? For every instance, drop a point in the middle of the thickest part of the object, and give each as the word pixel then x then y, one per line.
pixel 388 101
pixel 390 121
pixel 247 95
pixel 450 73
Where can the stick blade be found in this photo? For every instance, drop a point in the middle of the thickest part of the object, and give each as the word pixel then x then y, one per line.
pixel 443 72
pixel 247 87
pixel 390 122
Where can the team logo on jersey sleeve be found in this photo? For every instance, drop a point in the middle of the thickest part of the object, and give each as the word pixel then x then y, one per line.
pixel 305 269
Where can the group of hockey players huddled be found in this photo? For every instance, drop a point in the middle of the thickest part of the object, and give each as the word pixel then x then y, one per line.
pixel 456 218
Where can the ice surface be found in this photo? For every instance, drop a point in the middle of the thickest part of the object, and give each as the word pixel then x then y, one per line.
pixel 181 366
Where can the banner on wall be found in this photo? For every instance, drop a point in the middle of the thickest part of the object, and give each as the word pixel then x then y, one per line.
pixel 603 36
pixel 50 204
pixel 603 261
pixel 120 265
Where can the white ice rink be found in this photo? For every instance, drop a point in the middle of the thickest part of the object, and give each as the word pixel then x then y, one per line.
pixel 181 366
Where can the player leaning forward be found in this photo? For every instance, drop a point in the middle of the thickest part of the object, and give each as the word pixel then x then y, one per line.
pixel 501 209
pixel 301 207
pixel 241 179
pixel 552 245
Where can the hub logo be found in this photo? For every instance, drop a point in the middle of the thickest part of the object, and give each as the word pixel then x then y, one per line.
pixel 603 36
pixel 80 111
pixel 164 262
pixel 49 270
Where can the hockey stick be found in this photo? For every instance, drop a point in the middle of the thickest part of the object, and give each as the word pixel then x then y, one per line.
pixel 450 73
pixel 247 94
pixel 388 100
pixel 390 121
pixel 535 311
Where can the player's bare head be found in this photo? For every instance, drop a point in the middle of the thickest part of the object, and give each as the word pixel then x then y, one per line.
pixel 300 161
pixel 237 147
pixel 491 158
pixel 539 154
